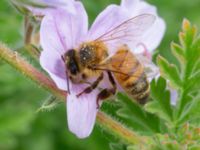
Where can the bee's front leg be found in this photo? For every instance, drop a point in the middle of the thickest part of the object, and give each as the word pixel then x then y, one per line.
pixel 106 93
pixel 92 86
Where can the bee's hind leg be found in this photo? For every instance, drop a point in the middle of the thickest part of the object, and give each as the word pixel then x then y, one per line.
pixel 106 93
pixel 92 86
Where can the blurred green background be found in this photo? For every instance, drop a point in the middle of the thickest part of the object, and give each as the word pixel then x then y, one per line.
pixel 21 128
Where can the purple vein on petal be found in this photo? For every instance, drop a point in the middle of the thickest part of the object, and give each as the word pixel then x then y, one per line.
pixel 65 49
pixel 72 31
pixel 59 36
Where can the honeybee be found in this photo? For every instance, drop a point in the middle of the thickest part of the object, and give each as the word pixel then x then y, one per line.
pixel 92 59
pixel 134 81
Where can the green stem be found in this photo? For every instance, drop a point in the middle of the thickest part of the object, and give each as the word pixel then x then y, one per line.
pixel 118 130
pixel 19 63
pixel 33 51
pixel 109 124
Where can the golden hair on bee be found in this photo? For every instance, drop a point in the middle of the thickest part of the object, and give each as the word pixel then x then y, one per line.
pixel 92 53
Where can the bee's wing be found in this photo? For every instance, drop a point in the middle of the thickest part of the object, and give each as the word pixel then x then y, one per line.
pixel 150 68
pixel 128 31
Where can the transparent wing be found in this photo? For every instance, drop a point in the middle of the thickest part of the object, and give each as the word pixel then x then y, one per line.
pixel 129 31
pixel 150 68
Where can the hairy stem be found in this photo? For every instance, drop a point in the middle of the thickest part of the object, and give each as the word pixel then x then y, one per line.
pixel 118 130
pixel 33 51
pixel 19 63
pixel 109 124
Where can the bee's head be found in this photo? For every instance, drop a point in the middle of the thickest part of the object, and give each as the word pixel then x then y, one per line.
pixel 71 62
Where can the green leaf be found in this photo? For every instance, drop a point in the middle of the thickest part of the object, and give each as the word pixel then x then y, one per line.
pixel 188 35
pixel 189 51
pixel 184 77
pixel 135 116
pixel 179 53
pixel 191 110
pixel 161 100
pixel 170 72
pixel 117 146
pixel 49 104
pixel 196 147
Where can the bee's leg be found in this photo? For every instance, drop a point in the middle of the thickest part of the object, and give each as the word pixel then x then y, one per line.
pixel 112 80
pixel 106 93
pixel 92 87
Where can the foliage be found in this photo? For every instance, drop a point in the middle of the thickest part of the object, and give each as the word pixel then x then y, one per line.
pixel 187 137
pixel 134 116
pixel 160 105
pixel 186 79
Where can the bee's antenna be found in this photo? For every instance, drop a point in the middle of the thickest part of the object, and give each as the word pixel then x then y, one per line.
pixel 67 76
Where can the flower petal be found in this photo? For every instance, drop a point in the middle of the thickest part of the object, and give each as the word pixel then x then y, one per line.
pixel 112 27
pixel 173 96
pixel 53 64
pixel 81 112
pixel 49 37
pixel 154 35
pixel 51 5
pixel 61 31
pixel 129 4
pixel 152 38
pixel 138 7
pixel 60 3
pixel 112 16
pixel 72 27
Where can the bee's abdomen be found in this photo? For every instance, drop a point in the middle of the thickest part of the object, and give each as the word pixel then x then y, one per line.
pixel 138 88
pixel 136 83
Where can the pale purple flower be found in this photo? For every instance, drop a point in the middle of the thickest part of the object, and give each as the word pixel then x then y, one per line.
pixel 173 96
pixel 46 6
pixel 152 38
pixel 62 30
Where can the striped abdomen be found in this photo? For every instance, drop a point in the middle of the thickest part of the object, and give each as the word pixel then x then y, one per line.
pixel 135 81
